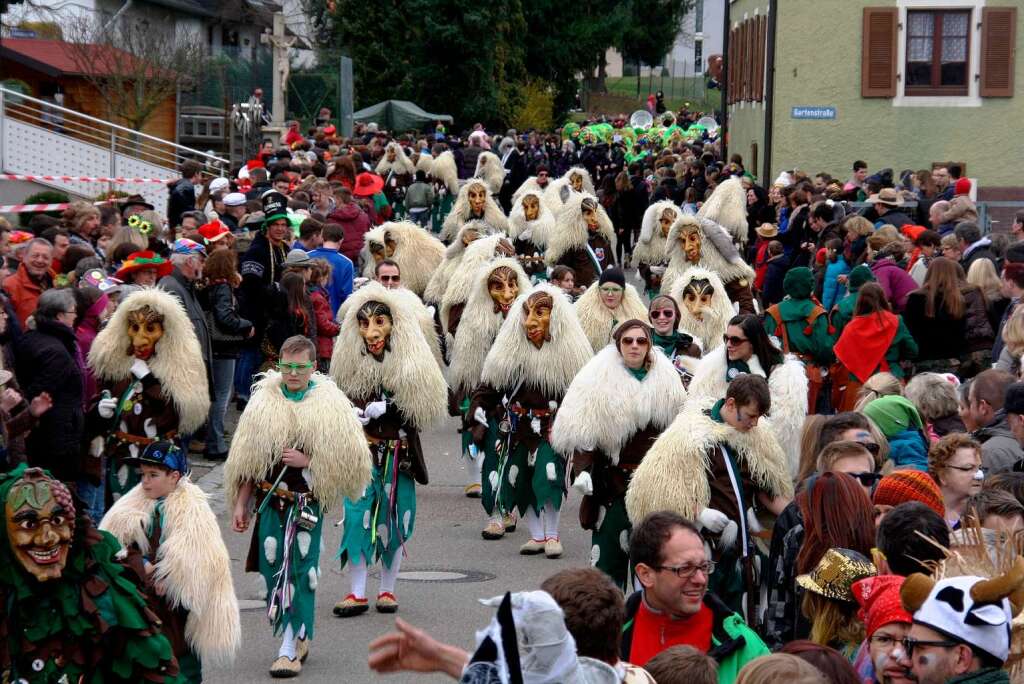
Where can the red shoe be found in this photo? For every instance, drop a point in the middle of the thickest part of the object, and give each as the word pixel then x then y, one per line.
pixel 351 606
pixel 386 602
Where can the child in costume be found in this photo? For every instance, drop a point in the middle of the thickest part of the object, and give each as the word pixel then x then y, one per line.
pixel 298 451
pixel 172 538
pixel 383 362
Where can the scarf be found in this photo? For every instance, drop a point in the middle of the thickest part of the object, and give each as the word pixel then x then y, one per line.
pixel 733 369
pixel 297 395
pixel 864 342
pixel 667 343
pixel 638 373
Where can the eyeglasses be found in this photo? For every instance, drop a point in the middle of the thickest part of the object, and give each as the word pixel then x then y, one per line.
pixel 294 368
pixel 630 341
pixel 662 313
pixel 866 478
pixel 873 447
pixel 389 279
pixel 688 570
pixel 967 468
pixel 884 640
pixel 909 645
pixel 733 340
pixel 610 289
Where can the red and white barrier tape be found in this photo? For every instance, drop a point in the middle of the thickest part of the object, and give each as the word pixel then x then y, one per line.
pixel 22 208
pixel 81 179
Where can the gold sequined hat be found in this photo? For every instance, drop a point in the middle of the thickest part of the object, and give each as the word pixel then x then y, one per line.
pixel 835 574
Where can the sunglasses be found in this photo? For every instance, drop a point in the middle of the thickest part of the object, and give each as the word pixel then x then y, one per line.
pixel 662 313
pixel 872 447
pixel 607 289
pixel 294 368
pixel 866 479
pixel 734 340
pixel 630 341
pixel 389 278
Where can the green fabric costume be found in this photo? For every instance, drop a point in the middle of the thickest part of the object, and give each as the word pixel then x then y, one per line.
pixel 794 314
pixel 92 625
pixel 443 203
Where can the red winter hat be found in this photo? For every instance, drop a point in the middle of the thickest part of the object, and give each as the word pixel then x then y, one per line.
pixel 879 599
pixel 901 486
pixel 962 187
pixel 255 164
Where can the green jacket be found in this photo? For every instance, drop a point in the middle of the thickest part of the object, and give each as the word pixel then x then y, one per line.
pixel 733 643
pixel 794 314
pixel 987 676
pixel 902 348
pixel 842 313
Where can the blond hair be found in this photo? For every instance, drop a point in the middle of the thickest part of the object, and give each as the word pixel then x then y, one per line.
pixel 1013 332
pixel 982 274
pixel 780 667
pixel 858 225
pixel 878 385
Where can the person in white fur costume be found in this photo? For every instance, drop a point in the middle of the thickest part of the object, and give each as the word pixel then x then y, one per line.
pixel 417 252
pixel 529 225
pixel 398 172
pixel 474 203
pixel 650 256
pixel 605 304
pixel 490 170
pixel 574 181
pixel 704 306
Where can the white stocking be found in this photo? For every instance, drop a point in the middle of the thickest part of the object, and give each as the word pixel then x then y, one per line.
pixel 357 576
pixel 551 516
pixel 474 466
pixel 287 644
pixel 534 524
pixel 389 575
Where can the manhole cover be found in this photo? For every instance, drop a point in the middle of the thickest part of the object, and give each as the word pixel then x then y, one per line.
pixel 442 575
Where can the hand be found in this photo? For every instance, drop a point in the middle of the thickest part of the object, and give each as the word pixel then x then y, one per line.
pixel 9 399
pixel 375 409
pixel 411 650
pixel 240 518
pixel 480 416
pixel 712 520
pixel 149 568
pixel 294 458
pixel 140 369
pixel 106 407
pixel 360 416
pixel 583 484
pixel 252 332
pixel 41 404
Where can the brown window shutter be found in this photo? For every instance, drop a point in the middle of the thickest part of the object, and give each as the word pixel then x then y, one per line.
pixel 732 65
pixel 998 45
pixel 751 23
pixel 878 52
pixel 762 35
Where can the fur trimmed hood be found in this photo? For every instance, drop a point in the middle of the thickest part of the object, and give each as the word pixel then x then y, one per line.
pixel 423 162
pixel 710 328
pixel 401 165
pixel 650 248
pixel 408 370
pixel 460 213
pixel 672 475
pixel 727 207
pixel 549 369
pixel 560 189
pixel 599 322
pixel 462 279
pixel 417 252
pixel 489 168
pixel 537 231
pixel 479 326
pixel 192 563
pixel 444 171
pixel 529 185
pixel 323 426
pixel 788 385
pixel 424 314
pixel 453 253
pixel 717 253
pixel 177 360
pixel 570 230
pixel 605 405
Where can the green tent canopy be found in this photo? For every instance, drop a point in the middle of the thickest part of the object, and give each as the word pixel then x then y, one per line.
pixel 399 115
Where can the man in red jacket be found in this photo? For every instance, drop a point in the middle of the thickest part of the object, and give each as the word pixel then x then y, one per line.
pixel 355 222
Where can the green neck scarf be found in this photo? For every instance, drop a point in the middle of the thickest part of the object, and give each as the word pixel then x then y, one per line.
pixel 638 373
pixel 734 369
pixel 716 411
pixel 298 395
pixel 667 343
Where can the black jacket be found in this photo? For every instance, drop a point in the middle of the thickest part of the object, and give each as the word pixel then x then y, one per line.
pixel 469 157
pixel 219 300
pixel 182 289
pixel 261 267
pixel 45 361
pixel 182 198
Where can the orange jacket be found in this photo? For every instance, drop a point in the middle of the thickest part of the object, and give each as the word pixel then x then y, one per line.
pixel 24 293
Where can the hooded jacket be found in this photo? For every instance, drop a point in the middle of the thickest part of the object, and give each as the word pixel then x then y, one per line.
pixel 896 283
pixel 356 224
pixel 999 448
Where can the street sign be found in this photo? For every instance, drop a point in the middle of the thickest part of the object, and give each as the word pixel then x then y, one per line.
pixel 819 113
pixel 22 33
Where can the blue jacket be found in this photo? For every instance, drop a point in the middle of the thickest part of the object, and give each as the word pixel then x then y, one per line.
pixel 833 290
pixel 342 274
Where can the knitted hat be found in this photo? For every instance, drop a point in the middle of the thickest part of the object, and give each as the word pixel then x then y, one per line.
pixel 962 187
pixel 798 282
pixel 901 486
pixel 858 276
pixel 879 599
pixel 613 275
pixel 893 414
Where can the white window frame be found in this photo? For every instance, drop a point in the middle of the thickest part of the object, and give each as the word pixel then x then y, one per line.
pixel 972 98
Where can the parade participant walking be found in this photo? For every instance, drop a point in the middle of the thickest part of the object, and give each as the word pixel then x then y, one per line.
pixel 297 451
pixel 530 226
pixel 693 243
pixel 663 313
pixel 705 309
pixel 417 252
pixel 538 351
pixel 605 304
pixel 474 203
pixel 650 256
pixel 583 239
pixel 397 171
pixel 612 413
pixel 157 391
pixel 166 524
pixel 575 181
pixel 383 362
pixel 444 176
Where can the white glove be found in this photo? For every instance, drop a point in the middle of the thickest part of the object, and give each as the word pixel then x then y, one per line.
pixel 360 416
pixel 480 416
pixel 140 369
pixel 106 407
pixel 375 409
pixel 583 484
pixel 728 536
pixel 753 524
pixel 712 520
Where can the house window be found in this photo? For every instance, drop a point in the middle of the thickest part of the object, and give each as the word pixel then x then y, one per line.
pixel 698 56
pixel 698 16
pixel 937 52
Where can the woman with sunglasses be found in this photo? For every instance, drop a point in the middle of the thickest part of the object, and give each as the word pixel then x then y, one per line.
pixel 748 349
pixel 663 313
pixel 605 304
pixel 614 409
pixel 955 464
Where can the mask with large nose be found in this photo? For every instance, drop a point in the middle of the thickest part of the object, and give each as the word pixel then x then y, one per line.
pixel 503 286
pixel 537 318
pixel 375 323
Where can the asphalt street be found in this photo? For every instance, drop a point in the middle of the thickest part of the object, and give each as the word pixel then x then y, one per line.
pixel 446 544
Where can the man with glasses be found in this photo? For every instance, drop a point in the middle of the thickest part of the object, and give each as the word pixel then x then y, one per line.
pixel 886 624
pixel 388 274
pixel 674 606
pixel 999 448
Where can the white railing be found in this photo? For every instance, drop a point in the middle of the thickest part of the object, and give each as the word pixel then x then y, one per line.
pixel 42 138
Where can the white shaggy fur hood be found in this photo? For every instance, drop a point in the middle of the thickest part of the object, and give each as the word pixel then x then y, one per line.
pixel 727 207
pixel 322 426
pixel 553 194
pixel 536 231
pixel 192 564
pixel 177 360
pixel 717 253
pixel 598 321
pixel 712 326
pixel 401 165
pixel 529 185
pixel 570 230
pixel 650 248
pixel 489 168
pixel 423 162
pixel 417 252
pixel 549 369
pixel 479 326
pixel 605 405
pixel 477 254
pixel 438 282
pixel 493 215
pixel 672 475
pixel 408 370
pixel 444 172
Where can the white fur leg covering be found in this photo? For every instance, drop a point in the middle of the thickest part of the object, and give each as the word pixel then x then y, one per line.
pixel 474 467
pixel 287 644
